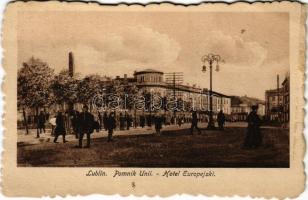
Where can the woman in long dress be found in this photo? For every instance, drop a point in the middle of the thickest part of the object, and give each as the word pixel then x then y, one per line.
pixel 253 135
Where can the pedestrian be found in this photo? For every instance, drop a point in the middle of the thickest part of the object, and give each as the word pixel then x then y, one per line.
pixel 180 121
pixel 100 120
pixel 96 123
pixel 221 120
pixel 29 119
pixel 172 120
pixel 135 121
pixel 105 120
pixel 53 124
pixel 164 119
pixel 111 125
pixel 149 120
pixel 122 121
pixel 158 123
pixel 75 122
pixel 128 119
pixel 167 121
pixel 142 121
pixel 67 121
pixel 41 122
pixel 86 120
pixel 194 123
pixel 253 134
pixel 47 115
pixel 60 127
pixel 34 119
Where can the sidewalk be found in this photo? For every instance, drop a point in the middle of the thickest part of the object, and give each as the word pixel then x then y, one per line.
pixel 30 139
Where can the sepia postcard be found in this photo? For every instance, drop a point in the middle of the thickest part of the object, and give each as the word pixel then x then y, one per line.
pixel 156 99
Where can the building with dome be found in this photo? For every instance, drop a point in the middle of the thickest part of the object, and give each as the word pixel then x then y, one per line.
pixel 153 81
pixel 150 80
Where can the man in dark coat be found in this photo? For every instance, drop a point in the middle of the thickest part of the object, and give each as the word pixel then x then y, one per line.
pixel 128 121
pixel 86 120
pixel 60 127
pixel 41 122
pixel 149 120
pixel 111 125
pixel 221 120
pixel 194 123
pixel 158 123
pixel 142 121
pixel 172 120
pixel 105 121
pixel 180 121
pixel 75 122
pixel 164 118
pixel 122 121
pixel 253 135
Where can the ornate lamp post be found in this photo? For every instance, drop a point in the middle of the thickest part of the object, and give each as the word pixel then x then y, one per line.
pixel 211 59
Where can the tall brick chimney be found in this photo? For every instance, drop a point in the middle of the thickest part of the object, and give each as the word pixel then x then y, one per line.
pixel 71 67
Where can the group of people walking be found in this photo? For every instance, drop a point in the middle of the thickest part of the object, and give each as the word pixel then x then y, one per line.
pixel 85 123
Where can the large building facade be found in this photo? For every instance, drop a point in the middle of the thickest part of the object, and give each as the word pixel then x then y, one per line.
pixel 153 81
pixel 277 102
pixel 274 102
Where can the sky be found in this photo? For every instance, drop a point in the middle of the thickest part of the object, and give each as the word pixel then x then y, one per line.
pixel 254 46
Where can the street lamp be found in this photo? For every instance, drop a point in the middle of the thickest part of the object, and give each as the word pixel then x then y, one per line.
pixel 211 59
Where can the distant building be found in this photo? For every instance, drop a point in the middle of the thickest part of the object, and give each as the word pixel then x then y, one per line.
pixel 241 107
pixel 125 80
pixel 273 103
pixel 277 102
pixel 150 80
pixel 220 102
pixel 286 99
pixel 237 110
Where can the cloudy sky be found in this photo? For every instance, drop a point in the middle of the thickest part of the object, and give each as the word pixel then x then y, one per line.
pixel 255 46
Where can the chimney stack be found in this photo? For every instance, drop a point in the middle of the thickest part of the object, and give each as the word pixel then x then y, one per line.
pixel 71 67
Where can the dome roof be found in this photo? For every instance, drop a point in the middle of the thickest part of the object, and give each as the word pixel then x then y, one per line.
pixel 147 71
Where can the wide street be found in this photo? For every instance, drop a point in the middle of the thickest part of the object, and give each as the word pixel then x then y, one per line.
pixel 173 148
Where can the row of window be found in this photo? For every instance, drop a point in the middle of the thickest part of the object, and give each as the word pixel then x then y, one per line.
pixel 150 79
pixel 275 98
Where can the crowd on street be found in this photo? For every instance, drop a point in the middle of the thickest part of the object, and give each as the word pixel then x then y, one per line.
pixel 82 123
